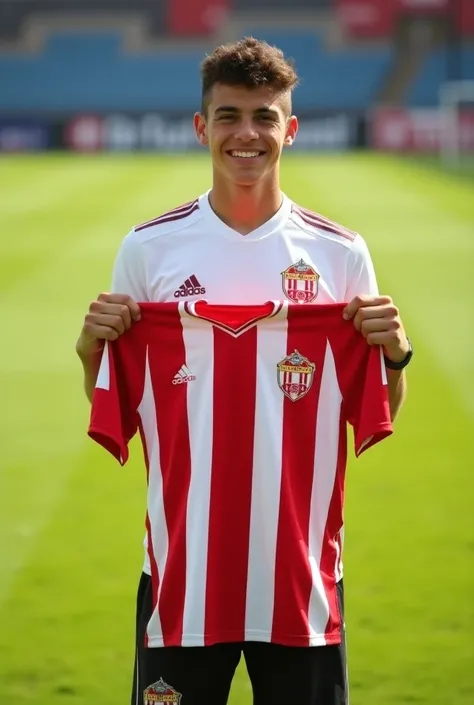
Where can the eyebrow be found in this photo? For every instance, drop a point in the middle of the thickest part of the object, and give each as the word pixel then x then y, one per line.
pixel 226 109
pixel 233 109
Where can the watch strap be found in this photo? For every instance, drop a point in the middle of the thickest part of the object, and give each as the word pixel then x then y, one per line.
pixel 389 364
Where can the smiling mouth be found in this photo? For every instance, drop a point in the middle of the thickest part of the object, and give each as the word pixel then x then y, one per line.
pixel 245 154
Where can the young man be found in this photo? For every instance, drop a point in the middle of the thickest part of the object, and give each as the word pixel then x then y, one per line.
pixel 241 243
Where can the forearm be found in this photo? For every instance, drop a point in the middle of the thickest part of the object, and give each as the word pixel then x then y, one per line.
pixel 90 364
pixel 397 387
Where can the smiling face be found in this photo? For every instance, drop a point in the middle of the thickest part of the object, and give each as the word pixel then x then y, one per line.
pixel 246 130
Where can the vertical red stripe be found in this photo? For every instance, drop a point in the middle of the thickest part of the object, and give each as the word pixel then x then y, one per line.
pixel 175 459
pixel 231 484
pixel 293 578
pixel 329 556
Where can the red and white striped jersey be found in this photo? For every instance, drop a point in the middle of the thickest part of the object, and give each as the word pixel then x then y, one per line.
pixel 242 412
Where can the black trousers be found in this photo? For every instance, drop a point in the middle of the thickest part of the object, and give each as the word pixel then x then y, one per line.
pixel 202 675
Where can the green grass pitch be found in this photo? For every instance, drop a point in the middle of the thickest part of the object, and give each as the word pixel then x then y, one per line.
pixel 71 521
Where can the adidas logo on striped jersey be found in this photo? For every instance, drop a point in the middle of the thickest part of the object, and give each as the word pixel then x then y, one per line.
pixel 183 376
pixel 191 287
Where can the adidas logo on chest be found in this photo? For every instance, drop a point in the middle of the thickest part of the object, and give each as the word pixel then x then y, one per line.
pixel 191 287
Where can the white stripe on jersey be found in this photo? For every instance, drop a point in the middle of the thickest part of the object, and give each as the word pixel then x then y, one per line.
pixel 325 456
pixel 266 487
pixel 199 342
pixel 158 546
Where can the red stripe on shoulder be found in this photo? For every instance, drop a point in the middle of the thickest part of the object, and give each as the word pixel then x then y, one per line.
pixel 176 214
pixel 324 223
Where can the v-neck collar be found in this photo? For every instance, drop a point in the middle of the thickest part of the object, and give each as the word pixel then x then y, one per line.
pixel 232 319
pixel 262 231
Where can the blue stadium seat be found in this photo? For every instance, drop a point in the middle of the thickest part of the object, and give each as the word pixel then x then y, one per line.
pixel 347 79
pixel 88 71
pixel 439 66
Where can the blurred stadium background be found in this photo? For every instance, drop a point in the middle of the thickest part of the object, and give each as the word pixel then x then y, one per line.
pixel 96 98
pixel 117 75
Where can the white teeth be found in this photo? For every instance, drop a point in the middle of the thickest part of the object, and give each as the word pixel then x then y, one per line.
pixel 246 155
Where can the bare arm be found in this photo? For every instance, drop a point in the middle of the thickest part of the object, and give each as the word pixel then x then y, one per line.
pixel 397 388
pixel 108 317
pixel 90 365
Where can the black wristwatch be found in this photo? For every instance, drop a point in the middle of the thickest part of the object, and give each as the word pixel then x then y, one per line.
pixel 403 363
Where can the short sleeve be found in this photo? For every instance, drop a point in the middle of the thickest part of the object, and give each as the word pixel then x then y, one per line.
pixel 114 416
pixel 360 275
pixel 129 272
pixel 368 408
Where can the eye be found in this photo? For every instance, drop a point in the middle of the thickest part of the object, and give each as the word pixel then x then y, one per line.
pixel 266 118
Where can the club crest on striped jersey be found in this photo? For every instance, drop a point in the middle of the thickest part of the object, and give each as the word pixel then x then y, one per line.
pixel 295 375
pixel 161 692
pixel 300 282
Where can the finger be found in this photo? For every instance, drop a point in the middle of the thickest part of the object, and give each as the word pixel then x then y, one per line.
pixel 385 338
pixel 379 325
pixel 122 299
pixel 98 332
pixel 362 301
pixel 381 311
pixel 104 320
pixel 387 311
pixel 101 308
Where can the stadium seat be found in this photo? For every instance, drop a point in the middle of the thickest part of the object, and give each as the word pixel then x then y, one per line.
pixel 89 71
pixel 439 66
pixel 334 80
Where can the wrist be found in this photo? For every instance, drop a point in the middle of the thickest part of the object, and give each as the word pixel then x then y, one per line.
pixel 399 359
pixel 89 349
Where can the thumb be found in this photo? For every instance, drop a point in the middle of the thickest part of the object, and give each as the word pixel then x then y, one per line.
pixel 352 307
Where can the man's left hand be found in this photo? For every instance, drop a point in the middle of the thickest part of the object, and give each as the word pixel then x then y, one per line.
pixel 377 318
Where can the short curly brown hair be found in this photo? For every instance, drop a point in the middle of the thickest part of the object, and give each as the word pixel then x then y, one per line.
pixel 250 63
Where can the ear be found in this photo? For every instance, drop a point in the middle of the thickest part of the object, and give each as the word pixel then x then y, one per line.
pixel 200 129
pixel 291 130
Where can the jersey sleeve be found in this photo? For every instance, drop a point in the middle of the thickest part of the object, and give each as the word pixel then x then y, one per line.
pixel 367 402
pixel 360 276
pixel 114 410
pixel 129 273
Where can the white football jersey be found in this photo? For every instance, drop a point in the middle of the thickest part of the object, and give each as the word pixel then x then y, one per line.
pixel 190 254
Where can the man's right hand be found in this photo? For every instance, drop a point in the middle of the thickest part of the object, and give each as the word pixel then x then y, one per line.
pixel 108 317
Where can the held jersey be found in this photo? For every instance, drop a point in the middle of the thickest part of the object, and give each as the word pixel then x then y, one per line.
pixel 242 412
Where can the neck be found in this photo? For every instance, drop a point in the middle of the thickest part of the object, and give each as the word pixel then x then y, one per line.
pixel 245 208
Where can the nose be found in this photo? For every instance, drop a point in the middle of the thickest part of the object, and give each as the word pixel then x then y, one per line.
pixel 246 131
